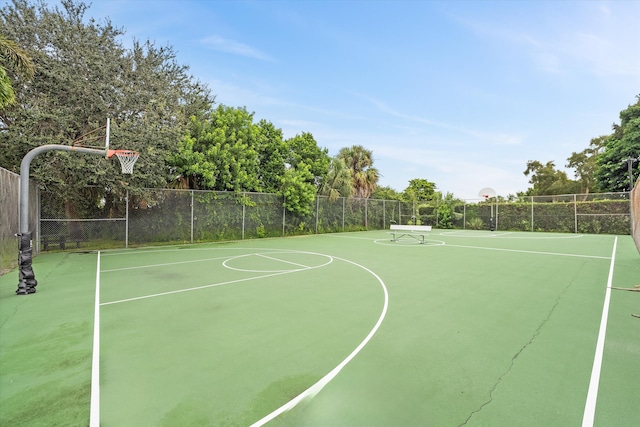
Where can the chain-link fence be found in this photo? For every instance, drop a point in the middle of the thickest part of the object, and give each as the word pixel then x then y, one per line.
pixel 186 216
pixel 10 217
pixel 607 213
pixel 99 219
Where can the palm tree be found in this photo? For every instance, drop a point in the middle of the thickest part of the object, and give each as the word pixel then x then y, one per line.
pixel 338 180
pixel 17 58
pixel 364 176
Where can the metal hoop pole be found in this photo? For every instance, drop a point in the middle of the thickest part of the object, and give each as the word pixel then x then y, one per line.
pixel 26 277
pixel 24 176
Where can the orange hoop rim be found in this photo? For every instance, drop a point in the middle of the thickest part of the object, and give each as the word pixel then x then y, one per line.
pixel 111 153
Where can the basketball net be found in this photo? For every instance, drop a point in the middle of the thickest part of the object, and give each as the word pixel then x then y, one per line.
pixel 127 159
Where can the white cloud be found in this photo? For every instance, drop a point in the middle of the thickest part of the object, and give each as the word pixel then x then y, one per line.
pixel 236 48
pixel 462 174
pixel 598 40
pixel 493 138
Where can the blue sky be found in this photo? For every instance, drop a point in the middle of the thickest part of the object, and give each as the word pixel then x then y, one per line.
pixel 462 93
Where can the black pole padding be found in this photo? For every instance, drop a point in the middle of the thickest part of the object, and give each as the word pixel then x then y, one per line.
pixel 26 278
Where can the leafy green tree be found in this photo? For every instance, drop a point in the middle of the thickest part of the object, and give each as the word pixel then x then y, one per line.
pixel 271 151
pixel 303 148
pixel 84 75
pixel 386 193
pixel 547 180
pixel 14 58
pixel 307 166
pixel 227 151
pixel 298 191
pixel 621 149
pixel 446 212
pixel 364 176
pixel 585 163
pixel 219 153
pixel 419 190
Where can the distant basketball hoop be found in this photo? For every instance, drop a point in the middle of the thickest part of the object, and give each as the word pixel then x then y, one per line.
pixel 127 159
pixel 488 193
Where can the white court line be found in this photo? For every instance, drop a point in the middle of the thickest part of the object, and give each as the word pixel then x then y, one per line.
pixel 166 264
pixel 303 267
pixel 524 235
pixel 592 395
pixel 284 260
pixel 94 414
pixel 527 252
pixel 315 388
pixel 336 236
pixel 197 247
pixel 480 247
pixel 246 279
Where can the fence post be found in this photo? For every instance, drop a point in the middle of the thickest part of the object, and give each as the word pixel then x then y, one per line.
pixel 317 211
pixel 343 209
pixel 531 213
pixel 192 217
pixel 575 214
pixel 284 215
pixel 243 212
pixel 126 220
pixel 366 214
pixel 464 216
pixel 414 215
pixel 384 214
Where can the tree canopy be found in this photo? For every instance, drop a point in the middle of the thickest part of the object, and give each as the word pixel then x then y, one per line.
pixel 82 76
pixel 547 180
pixel 364 177
pixel 220 152
pixel 585 164
pixel 228 151
pixel 420 190
pixel 338 180
pixel 17 61
pixel 603 166
pixel 621 151
pixel 63 74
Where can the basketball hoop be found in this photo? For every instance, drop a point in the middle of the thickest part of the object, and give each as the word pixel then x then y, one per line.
pixel 127 159
pixel 487 193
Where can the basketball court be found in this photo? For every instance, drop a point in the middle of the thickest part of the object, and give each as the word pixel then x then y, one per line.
pixel 469 328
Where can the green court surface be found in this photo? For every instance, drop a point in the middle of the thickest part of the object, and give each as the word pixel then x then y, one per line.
pixel 472 328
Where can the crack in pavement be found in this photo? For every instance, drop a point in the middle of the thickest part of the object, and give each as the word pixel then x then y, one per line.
pixel 515 356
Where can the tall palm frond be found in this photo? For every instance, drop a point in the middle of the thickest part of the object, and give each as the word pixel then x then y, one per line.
pixel 16 58
pixel 338 180
pixel 365 178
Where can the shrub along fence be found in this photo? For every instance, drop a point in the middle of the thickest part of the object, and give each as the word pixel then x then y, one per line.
pixel 607 213
pixel 161 216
